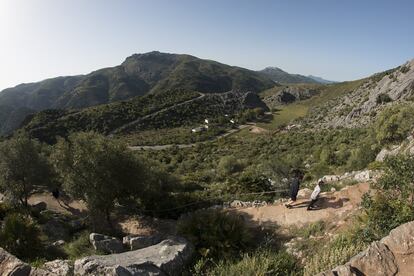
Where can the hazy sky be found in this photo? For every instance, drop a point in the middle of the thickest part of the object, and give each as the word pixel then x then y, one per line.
pixel 338 40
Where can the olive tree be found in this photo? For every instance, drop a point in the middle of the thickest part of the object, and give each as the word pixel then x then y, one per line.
pixel 22 165
pixel 98 170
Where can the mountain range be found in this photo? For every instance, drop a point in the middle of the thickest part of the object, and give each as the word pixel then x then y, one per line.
pixel 138 75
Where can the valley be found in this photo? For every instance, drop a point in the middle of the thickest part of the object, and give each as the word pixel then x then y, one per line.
pixel 206 148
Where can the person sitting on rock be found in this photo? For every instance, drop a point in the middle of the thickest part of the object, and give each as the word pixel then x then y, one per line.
pixel 315 195
pixel 294 187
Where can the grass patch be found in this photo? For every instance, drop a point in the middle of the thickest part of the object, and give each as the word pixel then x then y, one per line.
pixel 79 247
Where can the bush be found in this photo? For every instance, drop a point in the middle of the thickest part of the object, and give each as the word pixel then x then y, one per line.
pixel 79 247
pixel 20 236
pixel 229 165
pixel 216 233
pixel 383 98
pixel 394 124
pixel 260 263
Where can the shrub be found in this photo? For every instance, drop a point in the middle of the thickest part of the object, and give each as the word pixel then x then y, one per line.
pixel 20 236
pixel 229 165
pixel 216 233
pixel 394 124
pixel 260 263
pixel 79 247
pixel 383 98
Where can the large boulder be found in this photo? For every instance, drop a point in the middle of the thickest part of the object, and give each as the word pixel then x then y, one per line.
pixel 12 266
pixel 304 193
pixel 377 259
pixel 137 242
pixel 106 244
pixel 401 239
pixel 165 258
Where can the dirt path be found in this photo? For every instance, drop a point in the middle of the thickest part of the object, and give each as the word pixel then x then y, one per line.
pixel 333 207
pixel 119 129
pixel 64 205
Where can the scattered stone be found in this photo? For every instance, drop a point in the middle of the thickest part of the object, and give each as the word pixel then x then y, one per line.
pixel 333 190
pixel 167 257
pixel 11 265
pixel 106 244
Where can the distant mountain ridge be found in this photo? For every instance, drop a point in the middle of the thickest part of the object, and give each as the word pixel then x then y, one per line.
pixel 138 75
pixel 321 80
pixel 280 76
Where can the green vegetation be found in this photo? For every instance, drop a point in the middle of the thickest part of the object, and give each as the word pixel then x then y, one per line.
pixel 20 236
pixel 22 165
pixel 392 205
pixel 79 247
pixel 394 124
pixel 216 234
pixel 261 263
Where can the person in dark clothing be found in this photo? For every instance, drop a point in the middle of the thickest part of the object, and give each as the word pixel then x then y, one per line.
pixel 56 193
pixel 294 188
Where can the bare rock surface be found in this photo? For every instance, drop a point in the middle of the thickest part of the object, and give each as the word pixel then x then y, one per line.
pixel 106 244
pixel 11 265
pixel 134 242
pixel 54 268
pixel 165 258
pixel 393 255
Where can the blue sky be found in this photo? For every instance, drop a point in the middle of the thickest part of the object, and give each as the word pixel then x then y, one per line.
pixel 338 40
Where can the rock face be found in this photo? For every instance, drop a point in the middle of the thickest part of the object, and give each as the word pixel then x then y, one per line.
pixel 406 147
pixel 106 244
pixel 165 258
pixel 39 206
pixel 12 266
pixel 393 255
pixel 138 242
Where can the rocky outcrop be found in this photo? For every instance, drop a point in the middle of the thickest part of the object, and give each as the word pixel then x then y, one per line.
pixel 165 258
pixel 406 147
pixel 393 255
pixel 359 106
pixel 106 244
pixel 12 266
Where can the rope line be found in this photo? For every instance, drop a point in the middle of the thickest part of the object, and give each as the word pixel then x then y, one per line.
pixel 213 197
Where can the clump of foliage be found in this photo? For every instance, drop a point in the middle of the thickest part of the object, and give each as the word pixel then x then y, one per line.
pixel 335 253
pixel 79 247
pixel 23 164
pixel 215 233
pixel 383 98
pixel 392 205
pixel 98 170
pixel 261 263
pixel 20 236
pixel 394 124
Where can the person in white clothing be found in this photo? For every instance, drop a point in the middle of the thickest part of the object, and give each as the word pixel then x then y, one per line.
pixel 315 195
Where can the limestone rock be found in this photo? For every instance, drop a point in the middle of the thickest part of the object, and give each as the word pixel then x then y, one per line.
pixel 401 239
pixel 138 242
pixel 106 244
pixel 12 266
pixel 304 193
pixel 342 270
pixel 168 256
pixel 377 259
pixel 54 268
